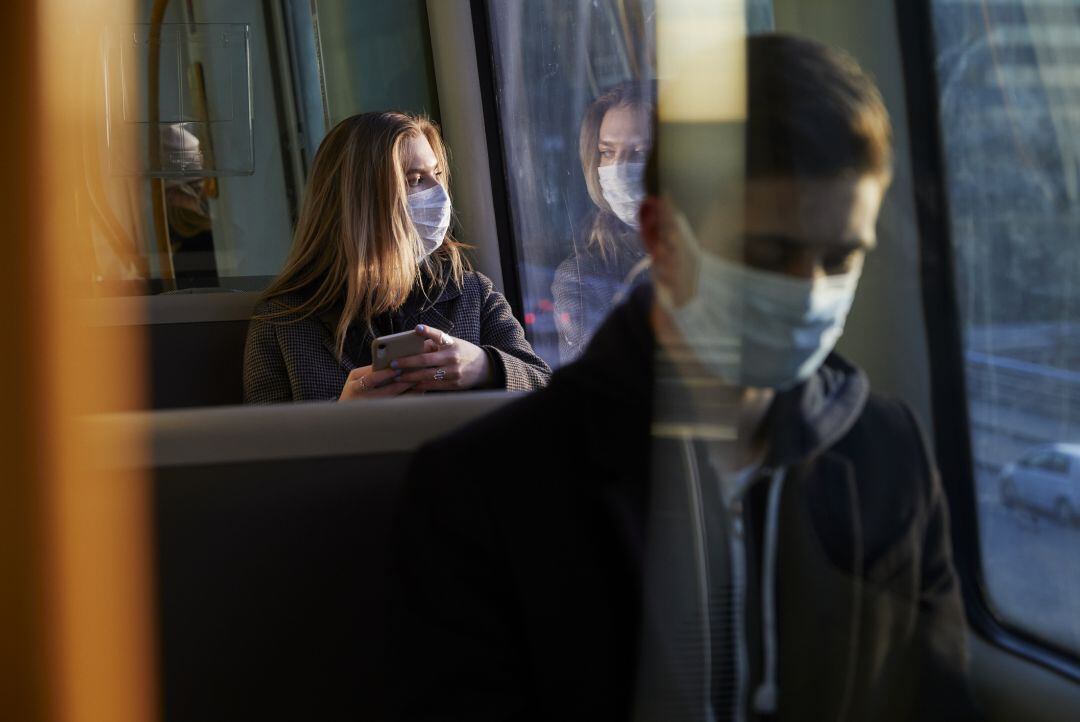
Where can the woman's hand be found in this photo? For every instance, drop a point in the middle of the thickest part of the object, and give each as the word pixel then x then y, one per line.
pixel 363 383
pixel 455 365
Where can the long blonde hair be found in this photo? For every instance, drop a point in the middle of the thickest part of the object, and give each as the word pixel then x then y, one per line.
pixel 355 242
pixel 607 233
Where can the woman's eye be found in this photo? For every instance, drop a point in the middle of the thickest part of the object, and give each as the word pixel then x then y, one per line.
pixel 413 181
pixel 606 154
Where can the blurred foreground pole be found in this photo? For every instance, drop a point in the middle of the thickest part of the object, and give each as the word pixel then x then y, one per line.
pixel 76 602
pixel 701 74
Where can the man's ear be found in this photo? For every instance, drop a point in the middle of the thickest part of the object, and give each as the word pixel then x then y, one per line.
pixel 649 216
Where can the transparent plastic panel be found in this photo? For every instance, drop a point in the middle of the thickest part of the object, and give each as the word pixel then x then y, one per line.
pixel 187 89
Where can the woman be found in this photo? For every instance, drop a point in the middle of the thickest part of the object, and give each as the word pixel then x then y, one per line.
pixel 613 145
pixel 372 256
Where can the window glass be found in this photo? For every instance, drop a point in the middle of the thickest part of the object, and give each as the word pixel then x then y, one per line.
pixel 570 74
pixel 1010 102
pixel 553 59
pixel 376 56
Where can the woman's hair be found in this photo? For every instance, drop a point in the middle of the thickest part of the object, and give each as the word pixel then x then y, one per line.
pixel 355 244
pixel 608 233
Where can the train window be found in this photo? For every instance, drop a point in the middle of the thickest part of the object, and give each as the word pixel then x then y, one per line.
pixel 1010 113
pixel 376 56
pixel 574 83
pixel 551 60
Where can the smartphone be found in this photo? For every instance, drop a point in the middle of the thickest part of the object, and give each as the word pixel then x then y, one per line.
pixel 387 348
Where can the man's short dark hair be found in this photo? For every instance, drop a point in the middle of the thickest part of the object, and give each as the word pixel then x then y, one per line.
pixel 811 112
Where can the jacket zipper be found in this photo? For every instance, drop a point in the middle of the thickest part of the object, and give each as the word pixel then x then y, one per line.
pixel 737 553
pixel 737 547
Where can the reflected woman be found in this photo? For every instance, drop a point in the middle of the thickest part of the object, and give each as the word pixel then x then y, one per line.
pixel 613 145
pixel 372 256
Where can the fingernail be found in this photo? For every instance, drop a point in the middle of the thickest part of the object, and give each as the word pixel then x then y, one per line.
pixel 421 328
pixel 393 365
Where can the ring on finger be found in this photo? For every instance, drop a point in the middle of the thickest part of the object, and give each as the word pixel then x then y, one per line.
pixel 445 340
pixel 363 383
pixel 440 374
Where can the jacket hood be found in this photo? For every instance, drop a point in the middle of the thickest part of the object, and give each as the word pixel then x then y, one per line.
pixel 809 418
pixel 619 366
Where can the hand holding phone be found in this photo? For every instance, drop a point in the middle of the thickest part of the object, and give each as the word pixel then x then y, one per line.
pixel 399 345
pixel 449 364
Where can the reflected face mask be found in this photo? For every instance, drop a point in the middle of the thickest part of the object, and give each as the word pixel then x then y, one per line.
pixel 756 328
pixel 430 213
pixel 623 187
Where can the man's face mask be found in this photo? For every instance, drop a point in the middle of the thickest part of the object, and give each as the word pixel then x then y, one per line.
pixel 623 187
pixel 758 328
pixel 430 213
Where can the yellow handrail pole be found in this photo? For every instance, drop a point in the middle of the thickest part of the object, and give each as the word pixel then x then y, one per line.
pixel 24 669
pixel 92 513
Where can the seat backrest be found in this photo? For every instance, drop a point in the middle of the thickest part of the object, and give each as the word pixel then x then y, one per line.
pixel 194 342
pixel 272 544
pixel 196 364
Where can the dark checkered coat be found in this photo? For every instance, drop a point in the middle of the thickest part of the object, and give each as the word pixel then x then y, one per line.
pixel 293 360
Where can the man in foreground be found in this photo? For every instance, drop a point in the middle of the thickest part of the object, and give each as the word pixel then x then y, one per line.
pixel 709 516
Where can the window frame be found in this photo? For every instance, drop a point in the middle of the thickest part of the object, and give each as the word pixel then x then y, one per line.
pixel 944 330
pixel 496 152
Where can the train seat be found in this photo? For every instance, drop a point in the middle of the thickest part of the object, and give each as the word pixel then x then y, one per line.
pixel 272 550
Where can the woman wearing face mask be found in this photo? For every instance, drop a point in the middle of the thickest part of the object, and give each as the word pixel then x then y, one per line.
pixel 373 256
pixel 613 145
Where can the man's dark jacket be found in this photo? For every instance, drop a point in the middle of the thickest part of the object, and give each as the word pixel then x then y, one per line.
pixel 520 548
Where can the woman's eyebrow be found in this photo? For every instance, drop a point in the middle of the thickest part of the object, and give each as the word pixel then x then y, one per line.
pixel 615 142
pixel 427 169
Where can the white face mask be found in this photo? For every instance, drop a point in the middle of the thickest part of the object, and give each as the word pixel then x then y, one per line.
pixel 762 329
pixel 430 213
pixel 623 187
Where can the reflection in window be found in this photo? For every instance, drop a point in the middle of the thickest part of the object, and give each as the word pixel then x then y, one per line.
pixel 1010 94
pixel 575 83
pixel 553 60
